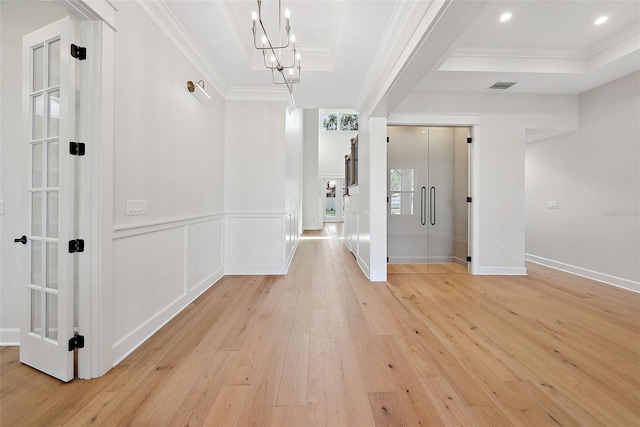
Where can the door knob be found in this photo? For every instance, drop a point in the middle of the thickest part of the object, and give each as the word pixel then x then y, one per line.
pixel 22 240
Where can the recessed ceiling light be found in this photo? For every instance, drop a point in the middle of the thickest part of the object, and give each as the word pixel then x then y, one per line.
pixel 505 17
pixel 601 20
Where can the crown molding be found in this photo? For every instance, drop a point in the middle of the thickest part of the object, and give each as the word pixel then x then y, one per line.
pixel 165 20
pixel 489 52
pixel 257 94
pixel 630 33
pixel 398 22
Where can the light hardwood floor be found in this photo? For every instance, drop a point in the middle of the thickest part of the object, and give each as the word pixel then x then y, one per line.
pixel 322 346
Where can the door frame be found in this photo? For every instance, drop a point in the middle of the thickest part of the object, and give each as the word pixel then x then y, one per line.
pixel 95 212
pixel 472 122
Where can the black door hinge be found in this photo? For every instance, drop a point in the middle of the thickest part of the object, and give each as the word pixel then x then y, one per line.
pixel 468 199
pixel 78 52
pixel 76 148
pixel 76 245
pixel 469 140
pixel 76 342
pixel 387 259
pixel 387 140
pixel 387 199
pixel 468 259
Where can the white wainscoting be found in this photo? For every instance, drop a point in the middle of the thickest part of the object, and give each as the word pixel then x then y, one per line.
pixel 362 237
pixel 261 243
pixel 159 269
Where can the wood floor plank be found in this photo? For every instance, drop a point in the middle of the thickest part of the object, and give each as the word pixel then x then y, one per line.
pixel 387 410
pixel 227 407
pixel 295 373
pixel 323 346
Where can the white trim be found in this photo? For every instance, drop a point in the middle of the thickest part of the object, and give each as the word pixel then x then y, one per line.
pixel 432 120
pixel 9 336
pixel 425 260
pixel 122 231
pixel 473 122
pixel 94 10
pixel 364 267
pixel 397 25
pixel 256 94
pixel 500 271
pixel 608 279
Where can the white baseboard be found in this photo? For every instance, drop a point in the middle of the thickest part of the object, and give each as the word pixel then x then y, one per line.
pixel 584 272
pixel 9 336
pixel 313 227
pixel 500 271
pixel 364 267
pixel 293 252
pixel 127 345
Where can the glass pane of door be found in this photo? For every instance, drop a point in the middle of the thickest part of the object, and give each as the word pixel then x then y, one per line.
pixel 440 204
pixel 448 220
pixel 407 181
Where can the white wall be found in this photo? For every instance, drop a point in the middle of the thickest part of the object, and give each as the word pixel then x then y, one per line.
pixel 500 150
pixel 365 225
pixel 255 156
pixel 168 150
pixel 311 206
pixel 293 160
pixel 293 184
pixel 16 20
pixel 332 147
pixel 593 174
pixel 262 186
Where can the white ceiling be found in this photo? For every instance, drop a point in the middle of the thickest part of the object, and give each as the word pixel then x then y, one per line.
pixel 547 47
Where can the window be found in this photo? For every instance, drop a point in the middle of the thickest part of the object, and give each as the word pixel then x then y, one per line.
pixel 329 122
pixel 339 121
pixel 401 187
pixel 348 122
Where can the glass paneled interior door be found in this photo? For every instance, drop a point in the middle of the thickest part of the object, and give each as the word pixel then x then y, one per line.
pixel 428 186
pixel 333 199
pixel 407 163
pixel 49 109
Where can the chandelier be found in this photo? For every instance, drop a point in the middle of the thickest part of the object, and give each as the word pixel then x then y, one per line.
pixel 285 68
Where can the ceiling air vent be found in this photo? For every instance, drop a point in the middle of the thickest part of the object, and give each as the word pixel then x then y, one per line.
pixel 502 85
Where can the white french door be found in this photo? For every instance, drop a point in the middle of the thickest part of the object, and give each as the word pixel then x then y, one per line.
pixel 49 107
pixel 333 199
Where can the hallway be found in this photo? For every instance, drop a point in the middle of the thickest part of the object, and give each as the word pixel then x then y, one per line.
pixel 323 346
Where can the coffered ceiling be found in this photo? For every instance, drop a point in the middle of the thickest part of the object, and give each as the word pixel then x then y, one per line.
pixel 546 46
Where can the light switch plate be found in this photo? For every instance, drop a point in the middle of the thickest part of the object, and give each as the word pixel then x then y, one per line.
pixel 1 207
pixel 552 204
pixel 136 207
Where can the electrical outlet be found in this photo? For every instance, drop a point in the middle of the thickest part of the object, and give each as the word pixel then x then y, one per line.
pixel 552 204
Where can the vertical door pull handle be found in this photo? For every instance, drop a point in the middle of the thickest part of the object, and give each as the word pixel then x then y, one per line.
pixel 432 205
pixel 423 206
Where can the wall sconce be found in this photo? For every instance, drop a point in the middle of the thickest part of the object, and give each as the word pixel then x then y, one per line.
pixel 191 87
